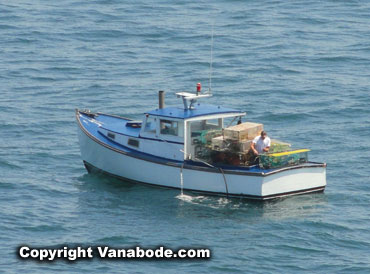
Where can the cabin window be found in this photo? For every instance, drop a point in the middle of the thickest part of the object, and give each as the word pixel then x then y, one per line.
pixel 213 124
pixel 169 127
pixel 150 125
pixel 111 135
pixel 133 142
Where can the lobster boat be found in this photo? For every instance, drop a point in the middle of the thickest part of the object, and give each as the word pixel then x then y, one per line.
pixel 195 147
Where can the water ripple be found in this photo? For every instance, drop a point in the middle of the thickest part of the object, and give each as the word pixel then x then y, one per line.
pixel 299 68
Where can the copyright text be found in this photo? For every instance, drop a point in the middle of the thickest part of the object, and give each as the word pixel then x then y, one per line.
pixel 106 252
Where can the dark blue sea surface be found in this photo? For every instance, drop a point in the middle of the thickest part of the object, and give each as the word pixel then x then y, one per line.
pixel 302 68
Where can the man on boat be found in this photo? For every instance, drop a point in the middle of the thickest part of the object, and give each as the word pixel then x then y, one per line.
pixel 261 144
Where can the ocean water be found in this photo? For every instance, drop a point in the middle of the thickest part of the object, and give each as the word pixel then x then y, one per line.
pixel 302 68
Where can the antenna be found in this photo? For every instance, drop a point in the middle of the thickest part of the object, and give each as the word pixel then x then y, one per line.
pixel 210 63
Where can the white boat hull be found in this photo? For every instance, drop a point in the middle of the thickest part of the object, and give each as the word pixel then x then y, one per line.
pixel 284 182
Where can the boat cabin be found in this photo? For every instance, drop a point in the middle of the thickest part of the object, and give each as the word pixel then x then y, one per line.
pixel 181 130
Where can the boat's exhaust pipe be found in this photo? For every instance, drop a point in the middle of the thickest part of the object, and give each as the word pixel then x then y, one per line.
pixel 161 99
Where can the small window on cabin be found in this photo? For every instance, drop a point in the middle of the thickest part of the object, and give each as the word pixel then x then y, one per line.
pixel 133 142
pixel 150 125
pixel 213 124
pixel 111 135
pixel 169 127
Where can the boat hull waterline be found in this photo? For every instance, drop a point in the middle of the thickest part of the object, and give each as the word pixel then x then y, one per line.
pixel 101 156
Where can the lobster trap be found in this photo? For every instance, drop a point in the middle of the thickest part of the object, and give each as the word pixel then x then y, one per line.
pixel 282 159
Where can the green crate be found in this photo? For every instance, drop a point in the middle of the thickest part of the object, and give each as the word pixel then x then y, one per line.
pixel 277 160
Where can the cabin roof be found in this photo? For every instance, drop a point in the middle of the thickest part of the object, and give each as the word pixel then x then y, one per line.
pixel 198 111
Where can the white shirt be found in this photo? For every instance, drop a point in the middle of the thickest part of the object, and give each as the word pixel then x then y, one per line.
pixel 260 144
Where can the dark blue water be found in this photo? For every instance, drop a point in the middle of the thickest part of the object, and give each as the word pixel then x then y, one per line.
pixel 299 67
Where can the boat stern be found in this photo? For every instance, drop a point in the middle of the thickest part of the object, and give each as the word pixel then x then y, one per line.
pixel 305 179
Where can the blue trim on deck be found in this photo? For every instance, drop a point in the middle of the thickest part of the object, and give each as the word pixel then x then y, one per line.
pixel 255 168
pixel 199 110
pixel 160 140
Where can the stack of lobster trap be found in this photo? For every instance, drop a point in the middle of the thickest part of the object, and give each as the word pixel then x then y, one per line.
pixel 238 137
pixel 231 146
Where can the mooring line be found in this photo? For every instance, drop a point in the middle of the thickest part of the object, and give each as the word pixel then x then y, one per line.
pixel 227 190
pixel 182 179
